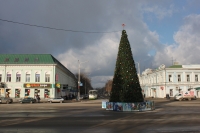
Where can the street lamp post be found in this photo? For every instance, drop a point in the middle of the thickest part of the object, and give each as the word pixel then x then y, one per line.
pixel 79 82
pixel 138 67
pixel 85 87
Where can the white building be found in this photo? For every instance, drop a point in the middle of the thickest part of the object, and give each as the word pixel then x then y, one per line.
pixel 27 75
pixel 171 80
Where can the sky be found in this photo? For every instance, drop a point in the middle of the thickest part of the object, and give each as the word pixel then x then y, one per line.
pixel 159 32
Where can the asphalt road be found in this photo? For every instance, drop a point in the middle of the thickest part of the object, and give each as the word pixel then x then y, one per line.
pixel 89 117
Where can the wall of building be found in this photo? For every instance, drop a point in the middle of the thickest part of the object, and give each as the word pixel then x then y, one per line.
pixel 65 79
pixel 22 89
pixel 157 83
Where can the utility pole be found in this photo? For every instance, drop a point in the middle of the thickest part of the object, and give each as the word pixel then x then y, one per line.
pixel 138 67
pixel 85 86
pixel 79 82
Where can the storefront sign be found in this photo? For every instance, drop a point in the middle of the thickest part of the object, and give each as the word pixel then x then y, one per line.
pixel 37 85
pixel 58 85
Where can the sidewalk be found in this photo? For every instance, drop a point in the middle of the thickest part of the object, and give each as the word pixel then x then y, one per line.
pixel 16 100
pixel 158 99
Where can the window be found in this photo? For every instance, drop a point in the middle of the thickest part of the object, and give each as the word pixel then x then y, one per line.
pixel 188 78
pixel 18 77
pixel 27 92
pixel 179 78
pixel 37 92
pixel 0 77
pixel 47 77
pixel 171 92
pixel 26 60
pixel 196 78
pixel 28 78
pixel 8 78
pixel 16 59
pixel 8 92
pixel 6 60
pixel 170 78
pixel 37 77
pixel 47 93
pixel 17 93
pixel 36 60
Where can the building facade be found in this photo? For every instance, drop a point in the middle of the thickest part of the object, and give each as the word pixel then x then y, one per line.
pixel 171 80
pixel 28 75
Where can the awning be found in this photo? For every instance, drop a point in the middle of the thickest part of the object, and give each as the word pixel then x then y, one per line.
pixel 198 88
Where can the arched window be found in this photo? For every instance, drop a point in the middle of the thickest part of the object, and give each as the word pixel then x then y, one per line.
pixel 18 77
pixel 47 77
pixel 28 77
pixel 8 79
pixel 37 77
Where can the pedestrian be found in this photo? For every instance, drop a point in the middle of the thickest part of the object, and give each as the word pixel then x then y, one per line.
pixel 38 98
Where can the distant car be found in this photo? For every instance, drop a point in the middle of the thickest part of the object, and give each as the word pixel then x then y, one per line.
pixel 56 100
pixel 28 100
pixel 5 100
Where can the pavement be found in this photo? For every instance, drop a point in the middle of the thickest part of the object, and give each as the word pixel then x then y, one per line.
pixel 87 116
pixel 45 101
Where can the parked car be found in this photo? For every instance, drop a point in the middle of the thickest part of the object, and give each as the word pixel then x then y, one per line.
pixel 6 100
pixel 56 100
pixel 28 100
pixel 185 95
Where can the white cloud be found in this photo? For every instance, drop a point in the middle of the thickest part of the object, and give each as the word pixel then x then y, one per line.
pixel 160 11
pixel 99 56
pixel 186 50
pixel 100 50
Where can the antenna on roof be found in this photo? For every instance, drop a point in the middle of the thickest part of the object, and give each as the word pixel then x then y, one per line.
pixel 123 25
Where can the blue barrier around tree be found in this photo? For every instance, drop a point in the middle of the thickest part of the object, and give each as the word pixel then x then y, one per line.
pixel 121 106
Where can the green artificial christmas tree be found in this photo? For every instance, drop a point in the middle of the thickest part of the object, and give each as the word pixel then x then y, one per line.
pixel 125 86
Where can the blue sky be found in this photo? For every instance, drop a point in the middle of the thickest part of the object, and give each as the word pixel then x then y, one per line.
pixel 167 26
pixel 157 31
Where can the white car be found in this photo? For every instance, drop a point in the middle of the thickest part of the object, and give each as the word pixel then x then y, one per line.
pixel 56 100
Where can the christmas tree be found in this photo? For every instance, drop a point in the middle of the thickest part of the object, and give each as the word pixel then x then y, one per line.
pixel 125 86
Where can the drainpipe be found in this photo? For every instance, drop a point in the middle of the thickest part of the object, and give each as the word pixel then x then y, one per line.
pixel 54 88
pixel 5 82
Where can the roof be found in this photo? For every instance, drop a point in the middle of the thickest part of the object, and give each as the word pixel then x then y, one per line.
pixel 31 59
pixel 27 59
pixel 175 66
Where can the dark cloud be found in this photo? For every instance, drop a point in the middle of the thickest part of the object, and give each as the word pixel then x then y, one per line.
pixel 86 15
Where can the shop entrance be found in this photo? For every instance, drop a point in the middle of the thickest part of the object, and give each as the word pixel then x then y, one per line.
pixel 2 92
pixel 171 93
pixel 8 92
pixel 27 92
pixel 17 93
pixel 46 93
pixel 37 92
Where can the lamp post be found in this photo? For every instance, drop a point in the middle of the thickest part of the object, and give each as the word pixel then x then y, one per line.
pixel 138 67
pixel 79 82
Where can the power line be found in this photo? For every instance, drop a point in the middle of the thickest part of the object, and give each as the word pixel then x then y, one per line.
pixel 39 26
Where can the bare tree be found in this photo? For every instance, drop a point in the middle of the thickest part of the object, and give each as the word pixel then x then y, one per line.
pixel 86 83
pixel 108 86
